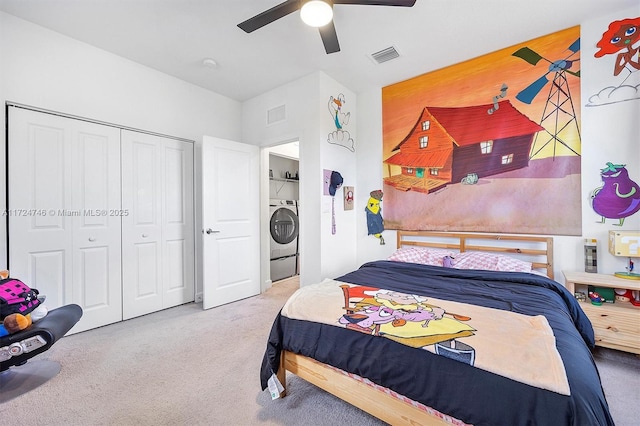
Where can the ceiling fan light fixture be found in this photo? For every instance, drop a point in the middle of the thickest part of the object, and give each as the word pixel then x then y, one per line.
pixel 316 13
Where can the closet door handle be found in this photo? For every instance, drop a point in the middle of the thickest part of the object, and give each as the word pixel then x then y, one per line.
pixel 92 239
pixel 145 235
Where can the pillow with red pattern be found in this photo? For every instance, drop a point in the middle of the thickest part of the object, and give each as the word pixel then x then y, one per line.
pixel 490 262
pixel 435 257
pixel 407 254
pixel 466 260
pixel 422 255
pixel 476 260
pixel 511 264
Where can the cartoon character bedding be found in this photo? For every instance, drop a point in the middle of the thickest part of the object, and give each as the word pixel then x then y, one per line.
pixel 486 347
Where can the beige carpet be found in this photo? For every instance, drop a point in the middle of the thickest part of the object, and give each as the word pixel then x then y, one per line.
pixel 188 366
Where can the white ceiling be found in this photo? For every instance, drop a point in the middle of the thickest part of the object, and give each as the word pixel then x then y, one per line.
pixel 174 36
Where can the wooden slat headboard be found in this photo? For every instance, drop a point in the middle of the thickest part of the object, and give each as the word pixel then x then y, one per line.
pixel 537 250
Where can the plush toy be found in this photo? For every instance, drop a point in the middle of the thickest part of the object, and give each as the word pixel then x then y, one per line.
pixel 39 312
pixel 14 323
pixel 448 261
pixel 623 295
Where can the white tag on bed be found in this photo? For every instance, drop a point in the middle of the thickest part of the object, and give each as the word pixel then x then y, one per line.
pixel 275 387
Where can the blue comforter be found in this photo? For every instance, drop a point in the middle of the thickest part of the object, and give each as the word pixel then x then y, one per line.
pixel 470 394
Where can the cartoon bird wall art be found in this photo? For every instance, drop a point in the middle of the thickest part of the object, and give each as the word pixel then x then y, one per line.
pixel 335 109
pixel 618 197
pixel 375 223
pixel 340 136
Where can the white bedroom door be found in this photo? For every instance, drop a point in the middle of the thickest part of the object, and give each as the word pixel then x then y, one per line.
pixel 231 225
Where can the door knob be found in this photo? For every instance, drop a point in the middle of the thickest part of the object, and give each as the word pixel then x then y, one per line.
pixel 145 235
pixel 92 239
pixel 211 231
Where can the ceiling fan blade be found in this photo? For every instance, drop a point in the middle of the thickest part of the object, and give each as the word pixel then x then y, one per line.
pixel 268 16
pixel 401 3
pixel 329 38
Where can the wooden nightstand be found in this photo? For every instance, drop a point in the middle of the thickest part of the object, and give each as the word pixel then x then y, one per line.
pixel 616 325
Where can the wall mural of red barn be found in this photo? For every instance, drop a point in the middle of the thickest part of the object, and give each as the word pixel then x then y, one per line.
pixel 488 145
pixel 461 145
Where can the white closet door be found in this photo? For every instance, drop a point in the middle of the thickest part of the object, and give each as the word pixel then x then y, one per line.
pixel 178 238
pixel 63 179
pixel 158 238
pixel 95 185
pixel 40 244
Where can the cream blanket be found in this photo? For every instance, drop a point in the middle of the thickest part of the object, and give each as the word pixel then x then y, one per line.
pixel 512 345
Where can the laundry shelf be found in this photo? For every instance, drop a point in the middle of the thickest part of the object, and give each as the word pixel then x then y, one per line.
pixel 285 180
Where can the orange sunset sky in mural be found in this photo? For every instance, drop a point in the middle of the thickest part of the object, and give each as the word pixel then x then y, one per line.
pixel 477 81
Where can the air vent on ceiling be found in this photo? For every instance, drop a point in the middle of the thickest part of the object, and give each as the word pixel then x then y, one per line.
pixel 277 114
pixel 385 55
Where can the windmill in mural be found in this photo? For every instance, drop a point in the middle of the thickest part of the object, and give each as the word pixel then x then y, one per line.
pixel 559 110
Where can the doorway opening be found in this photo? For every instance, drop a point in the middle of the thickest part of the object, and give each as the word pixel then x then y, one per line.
pixel 284 211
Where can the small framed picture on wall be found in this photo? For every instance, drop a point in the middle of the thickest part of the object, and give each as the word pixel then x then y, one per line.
pixel 348 197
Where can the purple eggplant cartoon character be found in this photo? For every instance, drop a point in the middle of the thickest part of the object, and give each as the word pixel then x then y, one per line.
pixel 619 197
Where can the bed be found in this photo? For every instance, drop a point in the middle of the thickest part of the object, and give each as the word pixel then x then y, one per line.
pixel 453 328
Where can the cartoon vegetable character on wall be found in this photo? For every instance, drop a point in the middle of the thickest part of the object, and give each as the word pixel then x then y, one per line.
pixel 619 197
pixel 375 223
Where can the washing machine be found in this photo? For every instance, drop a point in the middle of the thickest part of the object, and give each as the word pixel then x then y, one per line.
pixel 284 227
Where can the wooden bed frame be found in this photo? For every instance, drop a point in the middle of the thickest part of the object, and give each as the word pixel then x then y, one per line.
pixel 537 250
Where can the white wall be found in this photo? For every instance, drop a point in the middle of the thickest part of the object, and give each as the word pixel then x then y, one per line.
pixel 609 133
pixel 369 164
pixel 45 69
pixel 42 68
pixel 308 120
pixel 301 124
pixel 339 250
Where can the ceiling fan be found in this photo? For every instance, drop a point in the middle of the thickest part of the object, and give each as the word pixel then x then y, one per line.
pixel 326 27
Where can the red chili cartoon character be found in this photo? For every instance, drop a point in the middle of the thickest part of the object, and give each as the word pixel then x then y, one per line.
pixel 622 36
